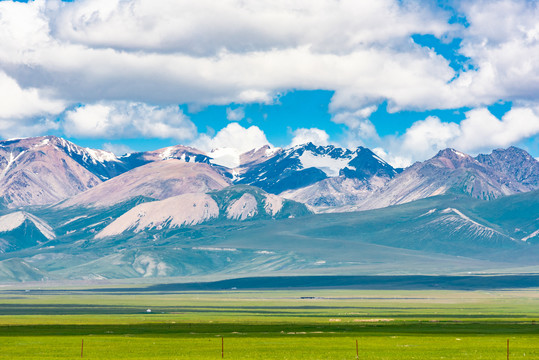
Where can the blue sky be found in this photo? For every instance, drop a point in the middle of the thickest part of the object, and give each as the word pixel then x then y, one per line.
pixel 405 78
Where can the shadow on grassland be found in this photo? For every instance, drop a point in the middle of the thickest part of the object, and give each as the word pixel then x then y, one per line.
pixel 397 282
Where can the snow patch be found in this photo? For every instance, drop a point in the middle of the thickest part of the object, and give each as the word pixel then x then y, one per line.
pixel 459 154
pixel 273 204
pixel 74 219
pixel 206 248
pixel 148 266
pixel 10 162
pixel 431 211
pixel 243 208
pixel 177 211
pixel 448 210
pixel 235 176
pixel 12 221
pixel 481 228
pixel 326 163
pixel 532 235
pixel 272 151
pixel 101 155
pixel 167 154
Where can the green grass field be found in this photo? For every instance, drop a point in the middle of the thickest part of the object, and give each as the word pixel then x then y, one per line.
pixel 270 324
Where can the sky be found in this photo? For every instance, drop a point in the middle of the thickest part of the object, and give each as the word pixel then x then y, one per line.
pixel 404 78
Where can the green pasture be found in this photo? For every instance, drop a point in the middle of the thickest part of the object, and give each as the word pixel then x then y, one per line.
pixel 307 324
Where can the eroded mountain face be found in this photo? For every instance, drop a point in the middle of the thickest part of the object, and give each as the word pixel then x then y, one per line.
pixel 47 170
pixel 78 213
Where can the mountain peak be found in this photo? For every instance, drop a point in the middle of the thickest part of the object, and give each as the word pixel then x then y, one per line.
pixel 512 151
pixel 451 153
pixel 451 158
pixel 515 162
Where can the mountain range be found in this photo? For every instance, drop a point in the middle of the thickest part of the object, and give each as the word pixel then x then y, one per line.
pixel 70 212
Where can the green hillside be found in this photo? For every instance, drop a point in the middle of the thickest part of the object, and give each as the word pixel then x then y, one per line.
pixel 439 235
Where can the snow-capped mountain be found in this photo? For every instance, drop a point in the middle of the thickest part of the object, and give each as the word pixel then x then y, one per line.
pixel 44 170
pixel 450 171
pixel 307 164
pixel 179 152
pixel 103 164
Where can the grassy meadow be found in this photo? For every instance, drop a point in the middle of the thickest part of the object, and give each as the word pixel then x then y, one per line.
pixel 306 324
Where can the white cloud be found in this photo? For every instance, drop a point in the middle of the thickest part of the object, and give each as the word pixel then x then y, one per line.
pixel 480 131
pixel 230 142
pixel 241 26
pixel 354 119
pixel 163 51
pixel 233 136
pixel 17 102
pixel 26 111
pixel 503 42
pixel 424 138
pixel 483 131
pixel 20 128
pixel 235 114
pixel 313 135
pixel 117 149
pixel 116 55
pixel 112 120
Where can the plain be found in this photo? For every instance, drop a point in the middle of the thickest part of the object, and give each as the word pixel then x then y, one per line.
pixel 280 324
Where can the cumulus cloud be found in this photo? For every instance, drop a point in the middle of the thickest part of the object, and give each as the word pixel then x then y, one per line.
pixel 17 102
pixel 112 120
pixel 20 128
pixel 242 26
pixel 230 142
pixel 424 138
pixel 26 111
pixel 313 135
pixel 354 119
pixel 233 136
pixel 114 56
pixel 480 131
pixel 164 51
pixel 360 129
pixel 235 114
pixel 503 53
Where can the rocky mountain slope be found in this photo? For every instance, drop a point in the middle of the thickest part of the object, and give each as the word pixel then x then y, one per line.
pixel 450 171
pixel 233 203
pixel 156 180
pixel 48 169
pixel 304 165
pixel 44 170
pixel 515 165
pixel 77 213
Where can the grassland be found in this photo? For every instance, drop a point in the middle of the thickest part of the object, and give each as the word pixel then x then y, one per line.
pixel 324 324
